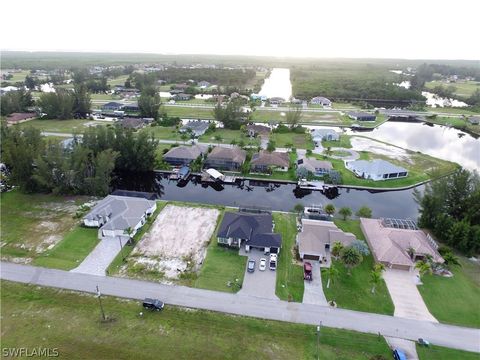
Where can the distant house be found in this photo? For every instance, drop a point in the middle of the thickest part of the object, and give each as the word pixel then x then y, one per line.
pixel 254 130
pixel 251 230
pixel 197 127
pixel 317 237
pixel 17 118
pixel 132 123
pixel 203 84
pixel 361 116
pixel 258 97
pixel 276 100
pixel 319 135
pixel 176 91
pixel 112 106
pixel 231 158
pixel 182 97
pixel 402 115
pixel 133 107
pixel 184 155
pixel 320 100
pixel 116 215
pixel 263 161
pixel 398 248
pixel 69 143
pixel 313 166
pixel 376 169
pixel 474 120
pixel 180 86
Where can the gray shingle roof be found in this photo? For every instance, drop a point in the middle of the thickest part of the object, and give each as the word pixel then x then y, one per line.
pixel 195 125
pixel 265 158
pixel 233 154
pixel 186 152
pixel 376 166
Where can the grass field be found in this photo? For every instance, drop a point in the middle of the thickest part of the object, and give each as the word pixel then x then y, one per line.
pixel 454 300
pixel 61 126
pixel 117 81
pixel 441 353
pixel 289 285
pixel 164 133
pixel 227 136
pixel 458 123
pixel 463 89
pixel 30 224
pixel 354 292
pixel 71 251
pixel 299 141
pixel 17 77
pixel 221 265
pixel 344 142
pixel 105 97
pixel 35 316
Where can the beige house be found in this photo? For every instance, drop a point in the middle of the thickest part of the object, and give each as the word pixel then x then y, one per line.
pixel 398 248
pixel 317 237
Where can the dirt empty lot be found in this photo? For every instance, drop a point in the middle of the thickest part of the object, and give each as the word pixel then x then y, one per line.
pixel 177 240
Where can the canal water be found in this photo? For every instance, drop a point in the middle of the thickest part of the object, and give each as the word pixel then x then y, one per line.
pixel 278 84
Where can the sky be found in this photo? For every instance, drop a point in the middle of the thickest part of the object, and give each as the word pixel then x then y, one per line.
pixel 412 29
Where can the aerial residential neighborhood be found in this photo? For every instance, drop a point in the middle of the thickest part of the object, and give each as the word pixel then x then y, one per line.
pixel 188 186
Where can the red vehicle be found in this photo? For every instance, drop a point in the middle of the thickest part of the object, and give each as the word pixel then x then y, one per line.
pixel 307 271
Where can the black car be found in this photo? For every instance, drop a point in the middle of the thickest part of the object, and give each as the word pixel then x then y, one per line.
pixel 153 304
pixel 251 266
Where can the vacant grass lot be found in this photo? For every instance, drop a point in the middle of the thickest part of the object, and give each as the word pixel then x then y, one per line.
pixel 221 265
pixel 458 123
pixel 442 353
pixel 344 142
pixel 289 284
pixel 354 291
pixel 71 322
pixel 454 300
pixel 299 141
pixel 32 223
pixel 71 251
pixel 226 136
pixel 164 133
pixel 464 88
pixel 61 126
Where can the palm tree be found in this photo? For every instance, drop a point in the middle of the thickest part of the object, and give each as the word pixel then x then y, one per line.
pixel 351 257
pixel 345 212
pixel 299 208
pixel 337 249
pixel 375 278
pixel 184 137
pixel 332 273
pixel 411 252
pixel 330 209
pixel 379 267
pixel 423 268
pixel 451 259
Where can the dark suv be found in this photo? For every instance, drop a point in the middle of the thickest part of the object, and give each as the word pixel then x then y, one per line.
pixel 153 304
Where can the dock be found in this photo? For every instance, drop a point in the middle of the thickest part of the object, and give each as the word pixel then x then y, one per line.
pixel 312 185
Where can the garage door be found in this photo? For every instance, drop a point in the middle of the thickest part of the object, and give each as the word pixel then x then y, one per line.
pixel 311 257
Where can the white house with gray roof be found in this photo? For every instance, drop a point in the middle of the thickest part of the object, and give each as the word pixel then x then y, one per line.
pixel 376 169
pixel 324 134
pixel 184 155
pixel 196 127
pixel 115 215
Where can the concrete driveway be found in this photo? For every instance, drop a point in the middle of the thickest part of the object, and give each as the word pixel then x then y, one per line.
pixel 101 257
pixel 313 293
pixel 405 295
pixel 407 346
pixel 259 283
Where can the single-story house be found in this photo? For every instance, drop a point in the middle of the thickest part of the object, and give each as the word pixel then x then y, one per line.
pixel 320 100
pixel 264 160
pixel 376 169
pixel 176 91
pixel 182 97
pixel 398 248
pixel 276 100
pixel 474 120
pixel 133 107
pixel 361 116
pixel 254 130
pixel 203 84
pixel 132 123
pixel 258 97
pixel 17 118
pixel 115 215
pixel 317 237
pixel 252 230
pixel 314 166
pixel 112 106
pixel 402 115
pixel 197 127
pixel 69 143
pixel 180 86
pixel 227 158
pixel 319 135
pixel 184 155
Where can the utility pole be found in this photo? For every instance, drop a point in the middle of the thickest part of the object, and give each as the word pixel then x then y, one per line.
pixel 318 339
pixel 99 296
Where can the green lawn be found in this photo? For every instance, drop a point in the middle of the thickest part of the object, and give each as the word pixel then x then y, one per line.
pixel 31 222
pixel 299 141
pixel 454 300
pixel 117 81
pixel 458 123
pixel 344 142
pixel 464 88
pixel 227 136
pixel 71 251
pixel 221 265
pixel 289 284
pixel 61 126
pixel 354 292
pixel 442 353
pixel 34 316
pixel 164 133
pixel 17 77
pixel 105 97
pixel 189 112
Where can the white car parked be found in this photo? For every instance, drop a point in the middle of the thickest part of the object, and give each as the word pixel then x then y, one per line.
pixel 263 264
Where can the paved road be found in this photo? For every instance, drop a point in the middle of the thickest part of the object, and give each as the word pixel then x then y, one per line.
pixel 439 334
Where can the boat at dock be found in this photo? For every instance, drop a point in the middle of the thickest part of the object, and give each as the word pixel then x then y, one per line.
pixel 316 185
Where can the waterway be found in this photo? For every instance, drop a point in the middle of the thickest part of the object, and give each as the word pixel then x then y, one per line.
pixel 278 84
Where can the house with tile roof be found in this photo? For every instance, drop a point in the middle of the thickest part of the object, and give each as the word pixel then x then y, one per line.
pixel 184 155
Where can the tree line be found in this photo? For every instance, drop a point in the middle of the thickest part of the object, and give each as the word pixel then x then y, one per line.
pixel 450 208
pixel 87 166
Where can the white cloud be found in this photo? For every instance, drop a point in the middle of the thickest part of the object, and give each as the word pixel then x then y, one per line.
pixel 368 28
